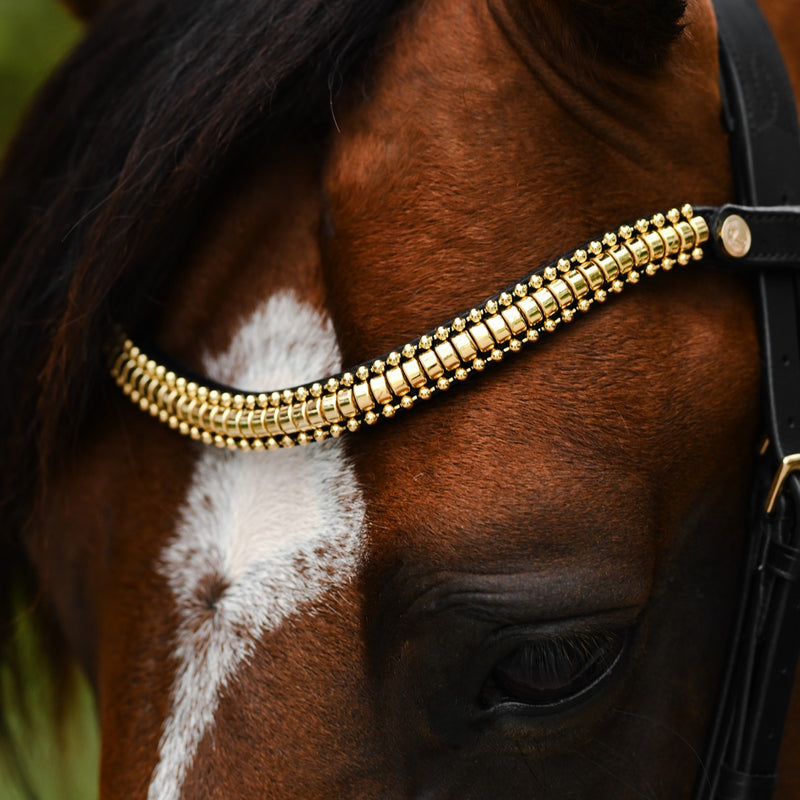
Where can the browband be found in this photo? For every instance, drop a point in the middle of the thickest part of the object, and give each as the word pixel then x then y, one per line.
pixel 534 305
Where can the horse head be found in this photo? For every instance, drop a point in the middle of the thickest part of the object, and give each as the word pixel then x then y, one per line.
pixel 523 587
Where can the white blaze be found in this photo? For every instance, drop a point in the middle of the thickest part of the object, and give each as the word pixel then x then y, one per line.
pixel 275 530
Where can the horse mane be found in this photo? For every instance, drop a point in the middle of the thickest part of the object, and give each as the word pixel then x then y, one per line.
pixel 105 182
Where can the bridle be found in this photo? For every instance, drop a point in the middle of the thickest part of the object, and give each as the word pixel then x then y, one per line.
pixel 761 233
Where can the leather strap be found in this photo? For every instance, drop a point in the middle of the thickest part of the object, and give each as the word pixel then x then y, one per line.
pixel 759 108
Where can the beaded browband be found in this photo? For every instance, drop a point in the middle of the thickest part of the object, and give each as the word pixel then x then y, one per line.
pixel 239 420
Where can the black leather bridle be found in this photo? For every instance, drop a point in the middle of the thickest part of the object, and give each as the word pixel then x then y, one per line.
pixel 760 114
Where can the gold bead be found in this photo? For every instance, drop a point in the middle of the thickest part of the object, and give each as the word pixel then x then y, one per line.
pixel 479 365
pixel 595 248
pixel 194 433
pixel 213 397
pixel 230 443
pixel 244 445
pixel 206 437
pixel 651 269
pixel 475 315
pixel 287 441
pixel 338 430
pixel 515 345
pixel 536 282
pixel 388 411
pixel 563 265
pixel 180 384
pixel 459 324
pixel 610 239
pixel 287 396
pixel 673 215
pixel 362 373
pixel 238 401
pixel 393 359
pixel 626 232
pixel 191 387
pixel 331 385
pixel 550 273
pixel 667 264
pixel 274 399
pixel 347 379
pixel 163 415
pixel 442 384
pixel 520 290
pixel 407 401
pixel 353 425
pixel 257 445
pixel 250 401
pixel 424 393
pixel 425 342
pixel 532 335
pixel 658 220
pixel 633 277
pixel 491 307
pixel 370 418
pixel 408 352
pixel 378 367
pixel 202 393
pixel 687 211
pixel 183 428
pixel 272 444
pixel 642 225
pixel 496 355
pixel 303 439
pixel 505 299
pixel 442 333
pixel 320 435
pixel 617 286
pixel 461 374
pixel 600 295
pixel 697 253
pixel 219 441
pixel 550 325
pixel 568 314
pixel 262 400
pixel 684 259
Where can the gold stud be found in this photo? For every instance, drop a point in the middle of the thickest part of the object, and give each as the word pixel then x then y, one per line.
pixel 642 225
pixel 633 277
pixel 262 400
pixel 370 417
pixel 459 324
pixel 490 307
pixel 257 445
pixel 250 401
pixel 673 215
pixel 505 299
pixel 684 259
pixel 475 315
pixel 442 384
pixel 272 443
pixel 408 352
pixel 362 373
pixel 388 411
pixel 580 256
pixel 626 232
pixel 651 269
pixel 667 264
pixel 301 393
pixel 320 435
pixel 461 374
pixel 347 379
pixel 584 305
pixel 568 314
pixel 442 333
pixel 687 211
pixel 600 295
pixel 479 365
pixel 549 325
pixel 425 342
pixel 331 385
pixel 338 430
pixel 407 401
pixel 287 441
pixel 595 248
pixel 610 239
pixel 532 335
pixel 424 393
pixel 563 265
pixel 697 253
pixel 617 286
pixel 520 290
pixel 287 396
pixel 536 282
pixel 550 273
pixel 194 433
pixel 219 442
pixel 496 355
pixel 658 220
pixel 515 345
pixel 353 425
pixel 393 359
pixel 274 399
pixel 303 439
pixel 378 367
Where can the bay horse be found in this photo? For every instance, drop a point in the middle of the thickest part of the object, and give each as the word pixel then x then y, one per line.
pixel 524 588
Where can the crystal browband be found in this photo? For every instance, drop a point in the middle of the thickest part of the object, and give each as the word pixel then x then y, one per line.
pixel 537 304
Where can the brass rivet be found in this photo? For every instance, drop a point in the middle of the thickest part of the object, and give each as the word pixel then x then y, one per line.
pixel 735 236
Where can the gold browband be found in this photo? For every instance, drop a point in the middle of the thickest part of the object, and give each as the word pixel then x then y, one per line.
pixel 237 420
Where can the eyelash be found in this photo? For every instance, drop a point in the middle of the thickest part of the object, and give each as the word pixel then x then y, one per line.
pixel 548 674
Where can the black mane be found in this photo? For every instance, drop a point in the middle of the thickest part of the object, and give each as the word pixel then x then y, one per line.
pixel 108 178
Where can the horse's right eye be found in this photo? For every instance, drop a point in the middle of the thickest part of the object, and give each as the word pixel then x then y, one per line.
pixel 548 674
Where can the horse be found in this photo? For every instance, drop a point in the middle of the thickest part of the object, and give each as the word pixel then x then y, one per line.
pixel 522 588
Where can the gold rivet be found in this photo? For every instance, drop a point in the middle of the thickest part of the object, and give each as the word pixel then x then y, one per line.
pixel 735 236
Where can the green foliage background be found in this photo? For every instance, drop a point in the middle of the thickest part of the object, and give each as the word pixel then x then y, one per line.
pixel 43 762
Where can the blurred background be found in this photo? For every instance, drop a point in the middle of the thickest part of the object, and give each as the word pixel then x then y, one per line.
pixel 42 762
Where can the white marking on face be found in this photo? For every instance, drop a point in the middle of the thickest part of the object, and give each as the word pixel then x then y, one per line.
pixel 274 531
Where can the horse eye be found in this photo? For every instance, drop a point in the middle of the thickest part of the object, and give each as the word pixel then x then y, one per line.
pixel 547 674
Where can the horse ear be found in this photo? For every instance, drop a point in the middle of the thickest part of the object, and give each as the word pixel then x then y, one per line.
pixel 637 33
pixel 84 9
